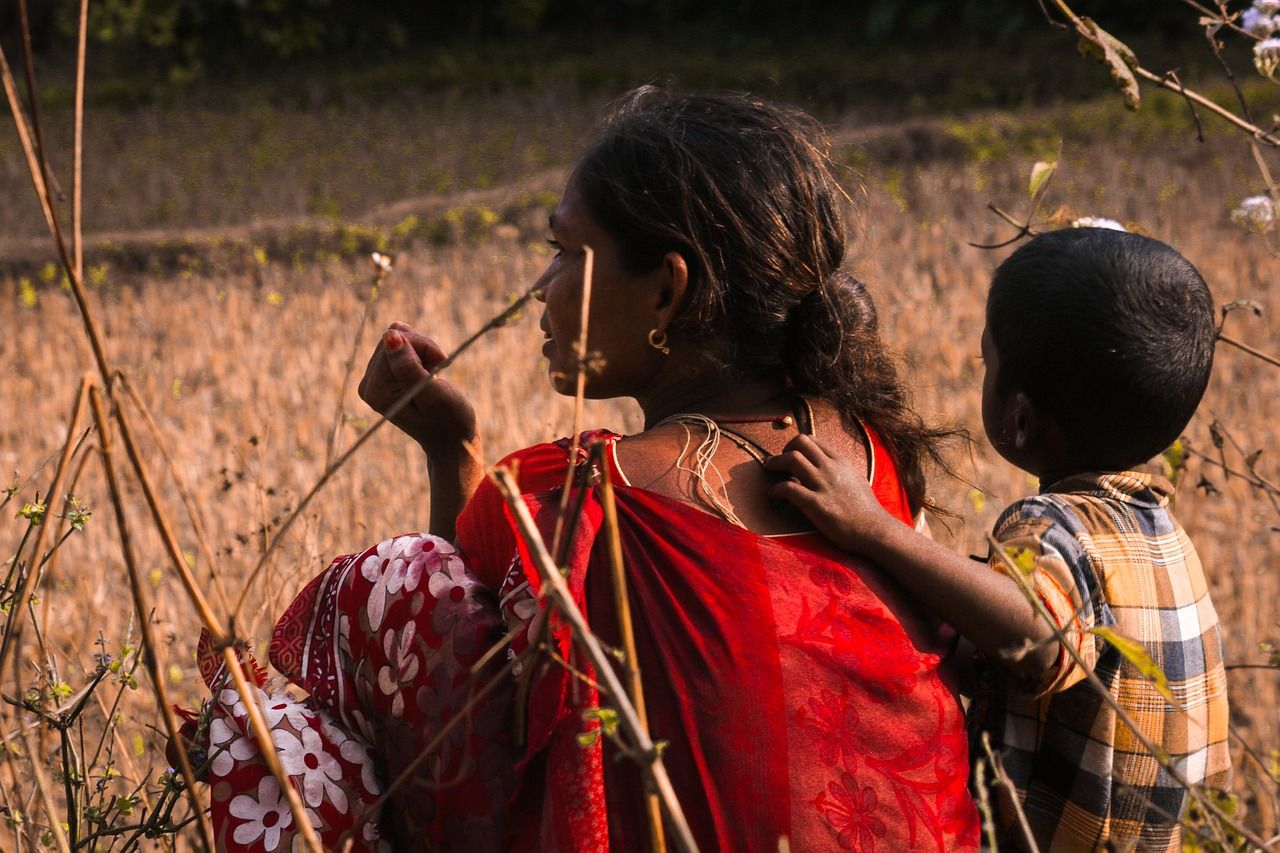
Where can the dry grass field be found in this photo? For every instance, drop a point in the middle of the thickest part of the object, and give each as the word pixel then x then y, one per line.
pixel 242 369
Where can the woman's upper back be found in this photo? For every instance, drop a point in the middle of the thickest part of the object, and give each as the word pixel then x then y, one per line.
pixel 800 691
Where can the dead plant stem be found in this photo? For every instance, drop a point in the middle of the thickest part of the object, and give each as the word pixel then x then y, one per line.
pixel 267 748
pixel 13 627
pixel 143 611
pixel 556 590
pixel 1012 570
pixel 500 319
pixel 194 511
pixel 622 603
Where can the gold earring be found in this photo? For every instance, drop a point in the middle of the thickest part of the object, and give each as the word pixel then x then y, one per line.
pixel 658 340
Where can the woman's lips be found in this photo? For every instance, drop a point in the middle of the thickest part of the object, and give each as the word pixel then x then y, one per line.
pixel 548 347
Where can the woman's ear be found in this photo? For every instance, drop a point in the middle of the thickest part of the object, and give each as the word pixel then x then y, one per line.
pixel 671 286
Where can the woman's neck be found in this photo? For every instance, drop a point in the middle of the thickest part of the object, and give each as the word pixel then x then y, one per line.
pixel 714 396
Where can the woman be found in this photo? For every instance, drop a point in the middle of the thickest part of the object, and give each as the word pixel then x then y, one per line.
pixel 800 694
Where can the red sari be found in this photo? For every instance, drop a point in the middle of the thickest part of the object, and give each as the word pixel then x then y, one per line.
pixel 800 692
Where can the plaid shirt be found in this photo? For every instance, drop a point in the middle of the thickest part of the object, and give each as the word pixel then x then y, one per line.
pixel 1108 553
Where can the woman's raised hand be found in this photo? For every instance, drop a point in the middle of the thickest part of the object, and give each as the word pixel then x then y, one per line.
pixel 437 416
pixel 831 491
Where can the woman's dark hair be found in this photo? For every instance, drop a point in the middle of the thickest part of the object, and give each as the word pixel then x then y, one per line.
pixel 1110 333
pixel 742 190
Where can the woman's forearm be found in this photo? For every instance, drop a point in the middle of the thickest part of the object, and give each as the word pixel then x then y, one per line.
pixel 454 477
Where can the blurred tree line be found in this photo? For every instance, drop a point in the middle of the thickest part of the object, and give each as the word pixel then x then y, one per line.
pixel 203 34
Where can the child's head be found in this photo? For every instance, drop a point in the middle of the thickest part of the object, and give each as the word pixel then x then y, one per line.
pixel 1108 335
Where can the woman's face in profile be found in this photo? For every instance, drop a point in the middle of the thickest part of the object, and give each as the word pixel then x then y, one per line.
pixel 619 360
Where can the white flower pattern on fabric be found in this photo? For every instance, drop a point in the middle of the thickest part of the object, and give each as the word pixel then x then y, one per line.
pixel 227 747
pixel 304 756
pixel 266 816
pixel 358 753
pixel 398 565
pixel 402 666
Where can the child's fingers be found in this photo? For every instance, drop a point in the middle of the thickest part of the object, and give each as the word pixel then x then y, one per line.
pixel 809 447
pixel 794 464
pixel 796 494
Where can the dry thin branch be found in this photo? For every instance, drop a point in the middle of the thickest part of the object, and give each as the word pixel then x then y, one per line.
pixel 622 603
pixel 143 611
pixel 1011 791
pixel 500 319
pixel 46 795
pixel 267 748
pixel 1164 83
pixel 580 386
pixel 194 513
pixel 24 137
pixel 1269 359
pixel 382 266
pixel 77 171
pixel 557 591
pixel 161 521
pixel 407 773
pixel 1012 570
pixel 13 627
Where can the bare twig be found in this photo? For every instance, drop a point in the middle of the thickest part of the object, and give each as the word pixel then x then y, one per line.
pixel 1191 107
pixel 500 319
pixel 194 514
pixel 557 591
pixel 77 171
pixel 142 610
pixel 267 748
pixel 1243 347
pixel 1024 230
pixel 13 627
pixel 46 794
pixel 161 521
pixel 427 751
pixel 1011 791
pixel 580 390
pixel 622 603
pixel 1012 570
pixel 382 266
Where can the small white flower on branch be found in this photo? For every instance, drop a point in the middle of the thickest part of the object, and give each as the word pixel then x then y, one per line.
pixel 1266 56
pixel 1259 23
pixel 1257 213
pixel 1265 7
pixel 383 262
pixel 1097 222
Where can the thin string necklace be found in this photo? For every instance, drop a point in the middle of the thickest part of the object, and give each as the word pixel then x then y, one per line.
pixel 706 450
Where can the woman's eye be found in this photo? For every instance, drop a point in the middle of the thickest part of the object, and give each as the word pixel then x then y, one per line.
pixel 559 250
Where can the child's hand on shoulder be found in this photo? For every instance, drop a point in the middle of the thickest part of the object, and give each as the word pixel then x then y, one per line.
pixel 832 492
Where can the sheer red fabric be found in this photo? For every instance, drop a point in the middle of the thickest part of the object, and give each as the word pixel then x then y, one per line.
pixel 800 693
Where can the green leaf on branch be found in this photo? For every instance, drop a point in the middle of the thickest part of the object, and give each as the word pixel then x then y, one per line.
pixel 1023 559
pixel 1041 172
pixel 34 511
pixel 1136 654
pixel 1116 55
pixel 1174 460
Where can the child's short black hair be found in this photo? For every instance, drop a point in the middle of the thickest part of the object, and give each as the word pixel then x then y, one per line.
pixel 1109 333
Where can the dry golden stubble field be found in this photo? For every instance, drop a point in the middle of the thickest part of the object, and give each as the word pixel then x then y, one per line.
pixel 242 374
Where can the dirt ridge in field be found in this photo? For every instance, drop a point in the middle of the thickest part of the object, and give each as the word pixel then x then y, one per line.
pixel 515 211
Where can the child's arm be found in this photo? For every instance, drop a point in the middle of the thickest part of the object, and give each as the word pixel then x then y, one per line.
pixel 985 606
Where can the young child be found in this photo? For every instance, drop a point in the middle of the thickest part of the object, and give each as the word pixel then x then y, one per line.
pixel 1098 346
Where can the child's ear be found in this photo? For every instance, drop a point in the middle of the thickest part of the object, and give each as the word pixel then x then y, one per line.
pixel 1026 421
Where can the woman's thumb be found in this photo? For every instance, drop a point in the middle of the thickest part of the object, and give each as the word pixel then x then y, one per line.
pixel 402 358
